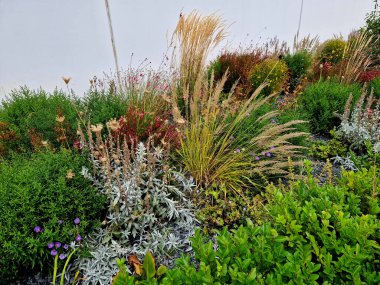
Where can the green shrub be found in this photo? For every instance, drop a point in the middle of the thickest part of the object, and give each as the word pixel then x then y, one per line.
pixel 38 191
pixel 333 50
pixel 272 71
pixel 33 114
pixel 375 85
pixel 298 65
pixel 320 100
pixel 316 235
pixel 101 106
pixel 293 114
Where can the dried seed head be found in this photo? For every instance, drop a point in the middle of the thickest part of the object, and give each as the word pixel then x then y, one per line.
pixel 113 125
pixel 60 118
pixel 97 129
pixel 66 79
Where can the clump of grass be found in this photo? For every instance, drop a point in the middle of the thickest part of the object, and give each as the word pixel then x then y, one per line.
pixel 210 151
pixel 196 36
pixel 356 59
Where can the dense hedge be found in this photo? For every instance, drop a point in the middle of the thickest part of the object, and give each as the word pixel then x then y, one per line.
pixel 38 191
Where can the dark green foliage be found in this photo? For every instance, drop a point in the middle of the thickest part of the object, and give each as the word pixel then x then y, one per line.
pixel 298 64
pixel 321 100
pixel 372 27
pixel 33 113
pixel 34 191
pixel 316 235
pixel 375 85
pixel 101 106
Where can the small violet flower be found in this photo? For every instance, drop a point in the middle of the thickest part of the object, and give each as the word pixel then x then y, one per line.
pixel 237 150
pixel 272 147
pixel 60 222
pixel 50 245
pixel 53 252
pixel 76 221
pixel 268 154
pixel 37 229
pixel 78 238
pixel 66 246
pixel 62 256
pixel 257 158
pixel 57 244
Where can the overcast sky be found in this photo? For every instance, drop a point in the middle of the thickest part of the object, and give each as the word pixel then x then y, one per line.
pixel 42 40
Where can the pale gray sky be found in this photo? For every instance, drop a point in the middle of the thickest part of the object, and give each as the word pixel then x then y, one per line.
pixel 42 40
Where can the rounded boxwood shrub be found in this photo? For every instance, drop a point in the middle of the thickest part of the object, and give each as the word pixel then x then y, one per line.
pixel 320 100
pixel 272 71
pixel 34 113
pixel 333 50
pixel 298 65
pixel 39 200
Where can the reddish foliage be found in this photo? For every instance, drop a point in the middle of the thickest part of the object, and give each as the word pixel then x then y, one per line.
pixel 239 65
pixel 138 125
pixel 369 75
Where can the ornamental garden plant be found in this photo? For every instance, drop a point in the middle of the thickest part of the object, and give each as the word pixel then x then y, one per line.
pixel 258 166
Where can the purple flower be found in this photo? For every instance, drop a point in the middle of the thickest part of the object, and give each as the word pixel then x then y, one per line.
pixel 257 158
pixel 53 252
pixel 37 229
pixel 263 153
pixel 268 154
pixel 60 222
pixel 237 150
pixel 62 256
pixel 66 246
pixel 272 147
pixel 76 221
pixel 78 238
pixel 50 245
pixel 57 244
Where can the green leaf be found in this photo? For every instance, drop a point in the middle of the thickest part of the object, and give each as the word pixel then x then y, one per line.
pixel 161 270
pixel 149 266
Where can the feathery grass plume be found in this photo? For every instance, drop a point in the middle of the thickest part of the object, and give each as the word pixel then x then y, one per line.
pixel 209 149
pixel 356 58
pixel 308 43
pixel 196 36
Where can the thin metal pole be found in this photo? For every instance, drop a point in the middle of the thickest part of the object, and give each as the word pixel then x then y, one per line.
pixel 299 21
pixel 113 43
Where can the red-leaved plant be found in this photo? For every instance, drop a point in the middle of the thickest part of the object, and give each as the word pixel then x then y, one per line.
pixel 138 125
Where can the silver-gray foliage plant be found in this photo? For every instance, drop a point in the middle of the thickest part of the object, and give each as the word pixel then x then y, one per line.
pixel 148 210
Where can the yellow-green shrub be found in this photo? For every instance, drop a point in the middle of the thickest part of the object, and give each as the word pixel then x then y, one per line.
pixel 272 71
pixel 333 50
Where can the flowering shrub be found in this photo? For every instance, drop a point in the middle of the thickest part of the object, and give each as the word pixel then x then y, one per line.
pixel 272 71
pixel 148 207
pixel 332 50
pixel 38 204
